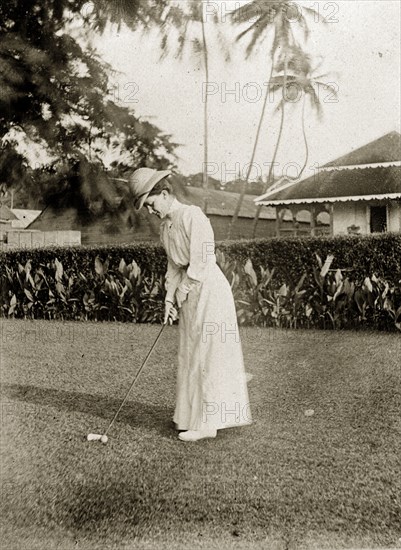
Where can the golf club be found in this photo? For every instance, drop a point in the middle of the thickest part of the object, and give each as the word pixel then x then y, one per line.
pixel 103 437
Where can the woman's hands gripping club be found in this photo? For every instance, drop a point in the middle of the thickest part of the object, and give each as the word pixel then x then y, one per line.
pixel 170 313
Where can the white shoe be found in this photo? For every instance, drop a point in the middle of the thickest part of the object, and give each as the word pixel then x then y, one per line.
pixel 196 435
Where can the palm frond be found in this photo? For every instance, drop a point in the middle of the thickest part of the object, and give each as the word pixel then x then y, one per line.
pixel 252 10
pixel 315 14
pixel 320 76
pixel 315 103
pixel 197 46
pixel 224 46
pixel 279 106
pixel 328 87
pixel 256 38
pixel 304 26
pixel 247 30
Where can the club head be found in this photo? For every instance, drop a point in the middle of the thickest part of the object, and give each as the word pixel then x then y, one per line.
pixel 94 437
pixel 98 437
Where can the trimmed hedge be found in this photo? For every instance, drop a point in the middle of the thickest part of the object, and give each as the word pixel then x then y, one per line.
pixel 290 257
pixel 342 282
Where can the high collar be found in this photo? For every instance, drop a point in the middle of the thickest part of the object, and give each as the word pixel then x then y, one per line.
pixel 174 206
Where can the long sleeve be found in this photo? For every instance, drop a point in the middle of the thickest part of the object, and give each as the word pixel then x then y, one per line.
pixel 173 278
pixel 201 248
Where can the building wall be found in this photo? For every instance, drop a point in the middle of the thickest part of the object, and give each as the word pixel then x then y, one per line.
pixel 242 229
pixel 346 214
pixel 358 214
pixel 102 232
pixel 4 227
pixel 25 238
pixel 94 235
pixel 394 217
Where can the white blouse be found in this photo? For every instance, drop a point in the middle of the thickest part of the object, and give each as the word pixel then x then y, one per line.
pixel 188 239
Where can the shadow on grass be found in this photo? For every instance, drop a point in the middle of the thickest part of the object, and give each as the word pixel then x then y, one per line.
pixel 134 413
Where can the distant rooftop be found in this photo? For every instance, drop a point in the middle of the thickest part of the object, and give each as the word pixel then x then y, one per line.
pixel 341 185
pixel 367 173
pixel 6 215
pixel 24 217
pixel 384 149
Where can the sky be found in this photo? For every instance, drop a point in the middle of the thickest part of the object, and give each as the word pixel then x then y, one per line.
pixel 359 46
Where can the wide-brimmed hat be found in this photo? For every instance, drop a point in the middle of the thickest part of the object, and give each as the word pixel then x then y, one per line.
pixel 142 181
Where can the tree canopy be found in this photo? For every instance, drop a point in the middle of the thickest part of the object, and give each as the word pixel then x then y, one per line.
pixel 55 96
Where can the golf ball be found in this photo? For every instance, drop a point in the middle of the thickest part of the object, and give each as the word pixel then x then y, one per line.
pixel 104 439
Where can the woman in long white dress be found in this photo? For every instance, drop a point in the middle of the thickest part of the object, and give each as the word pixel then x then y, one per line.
pixel 211 382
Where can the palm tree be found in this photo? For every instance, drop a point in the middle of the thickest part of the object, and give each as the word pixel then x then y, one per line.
pixel 302 78
pixel 270 19
pixel 298 63
pixel 190 23
pixel 309 85
pixel 205 111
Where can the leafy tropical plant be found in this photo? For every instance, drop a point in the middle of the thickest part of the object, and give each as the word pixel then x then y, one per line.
pixel 127 293
pixel 376 301
pixel 65 293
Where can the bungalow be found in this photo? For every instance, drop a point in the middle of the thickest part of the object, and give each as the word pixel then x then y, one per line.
pixel 219 206
pixel 13 232
pixel 357 193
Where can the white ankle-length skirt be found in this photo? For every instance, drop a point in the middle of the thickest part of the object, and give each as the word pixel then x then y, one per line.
pixel 211 382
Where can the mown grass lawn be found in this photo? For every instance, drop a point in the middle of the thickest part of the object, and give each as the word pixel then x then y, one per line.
pixel 289 481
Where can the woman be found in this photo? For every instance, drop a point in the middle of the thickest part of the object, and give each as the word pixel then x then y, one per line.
pixel 211 384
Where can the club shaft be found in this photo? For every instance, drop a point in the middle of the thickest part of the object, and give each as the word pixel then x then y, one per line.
pixel 135 379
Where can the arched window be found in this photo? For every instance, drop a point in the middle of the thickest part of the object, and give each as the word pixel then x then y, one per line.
pixel 285 221
pixel 303 221
pixel 323 223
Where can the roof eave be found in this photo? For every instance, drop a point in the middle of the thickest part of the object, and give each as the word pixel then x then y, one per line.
pixel 278 202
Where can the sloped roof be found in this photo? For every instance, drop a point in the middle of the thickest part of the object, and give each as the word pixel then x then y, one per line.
pixel 223 203
pixel 342 184
pixel 102 230
pixel 385 149
pixel 24 217
pixel 6 213
pixel 220 203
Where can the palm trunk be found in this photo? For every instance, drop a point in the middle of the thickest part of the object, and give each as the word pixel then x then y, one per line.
pixel 90 143
pixel 244 185
pixel 205 109
pixel 270 175
pixel 305 139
